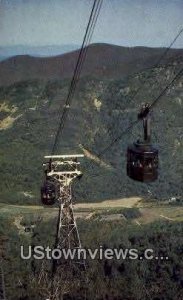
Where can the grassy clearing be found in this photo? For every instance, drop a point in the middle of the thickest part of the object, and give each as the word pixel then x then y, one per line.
pixel 141 214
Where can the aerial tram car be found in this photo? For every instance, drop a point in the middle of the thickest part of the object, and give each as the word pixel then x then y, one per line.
pixel 50 189
pixel 49 192
pixel 142 156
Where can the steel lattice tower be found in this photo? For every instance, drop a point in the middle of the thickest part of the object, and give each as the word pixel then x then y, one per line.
pixel 64 169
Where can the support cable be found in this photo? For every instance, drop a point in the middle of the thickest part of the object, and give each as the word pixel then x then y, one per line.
pixel 157 64
pixel 82 55
pixel 115 140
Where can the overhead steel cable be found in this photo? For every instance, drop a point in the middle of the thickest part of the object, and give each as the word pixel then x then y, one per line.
pixel 176 77
pixel 85 50
pixel 157 63
pixel 168 49
pixel 82 55
pixel 87 44
pixel 82 52
pixel 88 39
pixel 115 140
pixel 80 65
pixel 142 83
pixel 73 79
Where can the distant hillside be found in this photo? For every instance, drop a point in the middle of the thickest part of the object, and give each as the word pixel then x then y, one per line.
pixel 51 50
pixel 103 61
pixel 100 111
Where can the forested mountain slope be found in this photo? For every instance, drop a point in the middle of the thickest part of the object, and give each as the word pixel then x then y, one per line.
pixel 101 110
pixel 102 61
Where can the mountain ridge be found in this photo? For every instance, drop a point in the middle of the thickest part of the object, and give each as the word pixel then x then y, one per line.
pixel 102 61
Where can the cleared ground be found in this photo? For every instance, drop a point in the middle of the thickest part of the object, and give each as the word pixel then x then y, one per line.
pixel 108 210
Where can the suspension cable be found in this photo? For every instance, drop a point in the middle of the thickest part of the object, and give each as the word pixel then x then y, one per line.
pixel 157 63
pixel 81 57
pixel 115 140
pixel 142 83
pixel 176 77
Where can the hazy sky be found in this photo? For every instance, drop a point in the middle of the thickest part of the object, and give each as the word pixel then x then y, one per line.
pixel 122 22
